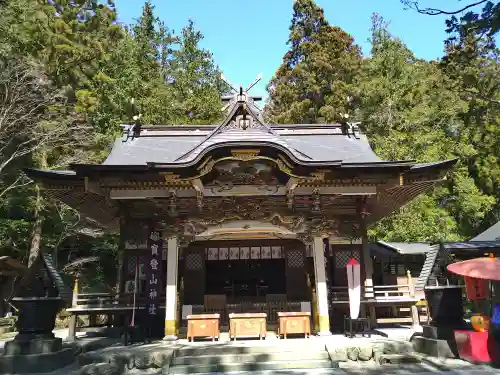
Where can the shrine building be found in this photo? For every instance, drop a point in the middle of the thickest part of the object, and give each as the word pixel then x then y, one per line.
pixel 243 216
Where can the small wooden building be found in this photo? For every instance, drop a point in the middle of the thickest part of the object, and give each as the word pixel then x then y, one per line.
pixel 244 216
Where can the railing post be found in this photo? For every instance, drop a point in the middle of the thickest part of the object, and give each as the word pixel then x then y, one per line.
pixel 75 293
pixel 411 286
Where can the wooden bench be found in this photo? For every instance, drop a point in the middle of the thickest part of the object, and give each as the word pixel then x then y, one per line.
pixel 294 323
pixel 247 325
pixel 118 309
pixel 203 325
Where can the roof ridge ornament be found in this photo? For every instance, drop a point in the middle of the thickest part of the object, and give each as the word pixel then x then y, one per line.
pixel 242 112
pixel 240 95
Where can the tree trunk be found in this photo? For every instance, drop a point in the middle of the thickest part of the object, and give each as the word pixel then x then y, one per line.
pixel 36 233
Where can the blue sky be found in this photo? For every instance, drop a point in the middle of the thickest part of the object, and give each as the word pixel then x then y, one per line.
pixel 249 37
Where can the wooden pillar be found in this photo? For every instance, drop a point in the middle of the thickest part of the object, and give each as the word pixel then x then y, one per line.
pixel 73 317
pixel 367 260
pixel 321 287
pixel 171 289
pixel 415 316
pixel 120 279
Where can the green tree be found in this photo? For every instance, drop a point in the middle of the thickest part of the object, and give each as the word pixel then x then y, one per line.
pixel 421 122
pixel 313 83
pixel 472 62
pixel 486 21
pixel 195 80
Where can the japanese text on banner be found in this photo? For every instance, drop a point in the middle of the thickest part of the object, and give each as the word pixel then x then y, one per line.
pixel 154 271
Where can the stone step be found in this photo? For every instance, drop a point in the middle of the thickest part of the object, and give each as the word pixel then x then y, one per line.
pixel 435 347
pixel 396 358
pixel 250 358
pixel 252 366
pixel 223 349
pixel 392 369
pixel 6 329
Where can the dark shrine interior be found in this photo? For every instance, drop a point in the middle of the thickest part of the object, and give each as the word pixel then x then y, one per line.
pixel 246 279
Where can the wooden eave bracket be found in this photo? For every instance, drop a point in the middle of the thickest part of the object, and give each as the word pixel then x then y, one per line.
pixel 290 191
pixel 92 186
pixel 198 186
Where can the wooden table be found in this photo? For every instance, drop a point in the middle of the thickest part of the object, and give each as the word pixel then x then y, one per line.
pixel 294 322
pixel 203 325
pixel 247 325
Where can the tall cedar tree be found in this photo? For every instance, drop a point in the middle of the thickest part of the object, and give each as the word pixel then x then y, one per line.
pixel 195 79
pixel 472 61
pixel 313 83
pixel 421 122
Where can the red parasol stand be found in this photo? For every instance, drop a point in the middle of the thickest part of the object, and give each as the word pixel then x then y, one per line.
pixel 479 268
pixel 478 346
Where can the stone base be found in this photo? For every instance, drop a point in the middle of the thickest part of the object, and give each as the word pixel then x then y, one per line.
pixel 170 338
pixel 33 344
pixel 6 329
pixel 36 363
pixel 435 347
pixel 440 332
pixel 324 333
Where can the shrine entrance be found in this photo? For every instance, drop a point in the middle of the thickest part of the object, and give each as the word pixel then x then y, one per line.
pixel 250 280
pixel 247 275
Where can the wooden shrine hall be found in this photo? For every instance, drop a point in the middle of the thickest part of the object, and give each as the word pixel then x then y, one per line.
pixel 243 217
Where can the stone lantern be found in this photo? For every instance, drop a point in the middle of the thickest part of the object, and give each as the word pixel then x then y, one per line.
pixel 38 296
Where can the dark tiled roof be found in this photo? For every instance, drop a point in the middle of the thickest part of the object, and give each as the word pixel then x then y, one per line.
pixel 490 234
pixel 307 142
pixel 471 245
pixel 143 150
pixel 405 248
pixel 410 248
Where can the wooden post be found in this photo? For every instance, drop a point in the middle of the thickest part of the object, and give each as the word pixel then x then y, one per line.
pixel 411 286
pixel 75 293
pixel 171 289
pixel 367 261
pixel 415 316
pixel 72 327
pixel 321 287
pixel 73 317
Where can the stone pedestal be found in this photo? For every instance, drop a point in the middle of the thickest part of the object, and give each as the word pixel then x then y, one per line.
pixel 445 305
pixel 35 349
pixel 33 344
pixel 437 341
pixel 446 311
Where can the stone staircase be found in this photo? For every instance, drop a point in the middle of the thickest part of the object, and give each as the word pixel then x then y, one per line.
pixel 228 358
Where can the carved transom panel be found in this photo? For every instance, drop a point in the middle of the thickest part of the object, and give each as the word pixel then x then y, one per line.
pixel 132 262
pixel 194 261
pixel 342 257
pixel 242 253
pixel 228 173
pixel 295 258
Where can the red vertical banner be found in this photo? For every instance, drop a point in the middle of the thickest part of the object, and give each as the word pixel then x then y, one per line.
pixel 153 266
pixel 476 288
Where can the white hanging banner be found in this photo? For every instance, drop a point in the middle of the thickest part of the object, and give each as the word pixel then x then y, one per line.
pixel 354 283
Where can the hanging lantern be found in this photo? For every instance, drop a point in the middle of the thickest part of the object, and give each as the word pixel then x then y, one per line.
pixel 480 322
pixel 476 288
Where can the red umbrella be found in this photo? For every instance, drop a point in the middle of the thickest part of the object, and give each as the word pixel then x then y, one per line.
pixel 479 268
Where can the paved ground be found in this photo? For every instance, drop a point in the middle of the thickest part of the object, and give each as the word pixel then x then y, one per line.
pixel 361 370
pixel 453 367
